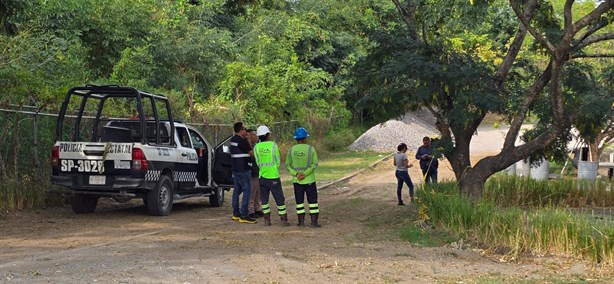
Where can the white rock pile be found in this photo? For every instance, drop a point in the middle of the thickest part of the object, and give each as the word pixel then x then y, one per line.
pixel 410 129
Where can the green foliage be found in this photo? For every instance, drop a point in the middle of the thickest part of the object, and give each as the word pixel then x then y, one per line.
pixel 339 140
pixel 35 67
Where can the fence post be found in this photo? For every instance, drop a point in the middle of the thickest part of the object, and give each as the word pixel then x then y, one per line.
pixel 35 142
pixel 3 172
pixel 16 146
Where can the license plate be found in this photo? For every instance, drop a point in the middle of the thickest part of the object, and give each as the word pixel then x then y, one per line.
pixel 98 180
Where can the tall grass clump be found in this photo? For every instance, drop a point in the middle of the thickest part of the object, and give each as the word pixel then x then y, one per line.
pixel 25 194
pixel 564 232
pixel 510 191
pixel 517 231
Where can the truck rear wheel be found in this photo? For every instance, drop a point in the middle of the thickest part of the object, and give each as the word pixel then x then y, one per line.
pixel 83 203
pixel 160 200
pixel 217 199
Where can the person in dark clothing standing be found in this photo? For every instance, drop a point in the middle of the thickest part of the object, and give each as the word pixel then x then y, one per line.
pixel 241 153
pixel 428 164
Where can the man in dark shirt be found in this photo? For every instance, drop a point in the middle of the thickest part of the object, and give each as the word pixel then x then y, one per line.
pixel 428 163
pixel 241 153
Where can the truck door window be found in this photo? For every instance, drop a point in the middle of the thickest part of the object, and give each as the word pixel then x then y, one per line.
pixel 184 137
pixel 197 141
pixel 152 135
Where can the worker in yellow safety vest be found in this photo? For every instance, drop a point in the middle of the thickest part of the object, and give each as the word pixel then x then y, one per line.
pixel 301 162
pixel 267 157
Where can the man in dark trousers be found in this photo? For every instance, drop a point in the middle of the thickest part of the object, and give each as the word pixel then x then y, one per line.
pixel 428 164
pixel 268 160
pixel 241 153
pixel 301 162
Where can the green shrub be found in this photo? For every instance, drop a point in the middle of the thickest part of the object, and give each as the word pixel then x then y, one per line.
pixel 339 140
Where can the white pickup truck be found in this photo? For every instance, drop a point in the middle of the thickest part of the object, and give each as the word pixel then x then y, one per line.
pixel 116 142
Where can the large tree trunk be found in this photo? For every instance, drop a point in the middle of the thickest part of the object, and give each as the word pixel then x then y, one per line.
pixel 601 141
pixel 472 184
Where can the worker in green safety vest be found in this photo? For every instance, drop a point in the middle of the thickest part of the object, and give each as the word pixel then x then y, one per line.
pixel 267 157
pixel 301 162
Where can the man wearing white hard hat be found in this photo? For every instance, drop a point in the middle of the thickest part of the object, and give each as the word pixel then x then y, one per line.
pixel 268 159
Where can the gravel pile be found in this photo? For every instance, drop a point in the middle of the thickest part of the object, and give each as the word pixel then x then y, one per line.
pixel 410 129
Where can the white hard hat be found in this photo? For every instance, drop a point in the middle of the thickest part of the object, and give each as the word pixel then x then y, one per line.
pixel 262 130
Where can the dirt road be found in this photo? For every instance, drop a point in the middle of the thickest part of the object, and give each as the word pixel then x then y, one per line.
pixel 358 243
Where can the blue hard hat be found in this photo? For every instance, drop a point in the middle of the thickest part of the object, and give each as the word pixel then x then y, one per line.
pixel 301 133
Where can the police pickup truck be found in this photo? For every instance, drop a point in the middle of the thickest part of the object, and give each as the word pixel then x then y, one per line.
pixel 123 143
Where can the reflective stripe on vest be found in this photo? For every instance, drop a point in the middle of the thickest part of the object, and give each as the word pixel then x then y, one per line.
pixel 239 155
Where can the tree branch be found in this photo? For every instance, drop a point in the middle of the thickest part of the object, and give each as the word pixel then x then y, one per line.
pixel 594 39
pixel 590 31
pixel 568 34
pixel 515 46
pixel 541 39
pixel 574 56
pixel 567 13
pixel 532 92
pixel 592 16
pixel 409 16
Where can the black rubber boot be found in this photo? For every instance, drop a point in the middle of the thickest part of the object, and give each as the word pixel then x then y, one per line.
pixel 267 219
pixel 301 220
pixel 284 220
pixel 314 221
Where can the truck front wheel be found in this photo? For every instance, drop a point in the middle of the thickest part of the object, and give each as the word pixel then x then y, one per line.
pixel 83 203
pixel 160 199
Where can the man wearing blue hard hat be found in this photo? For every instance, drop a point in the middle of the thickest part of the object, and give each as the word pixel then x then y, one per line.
pixel 302 161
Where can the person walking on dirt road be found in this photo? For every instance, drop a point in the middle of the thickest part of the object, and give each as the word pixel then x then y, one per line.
pixel 428 164
pixel 301 162
pixel 255 205
pixel 267 157
pixel 402 165
pixel 240 152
